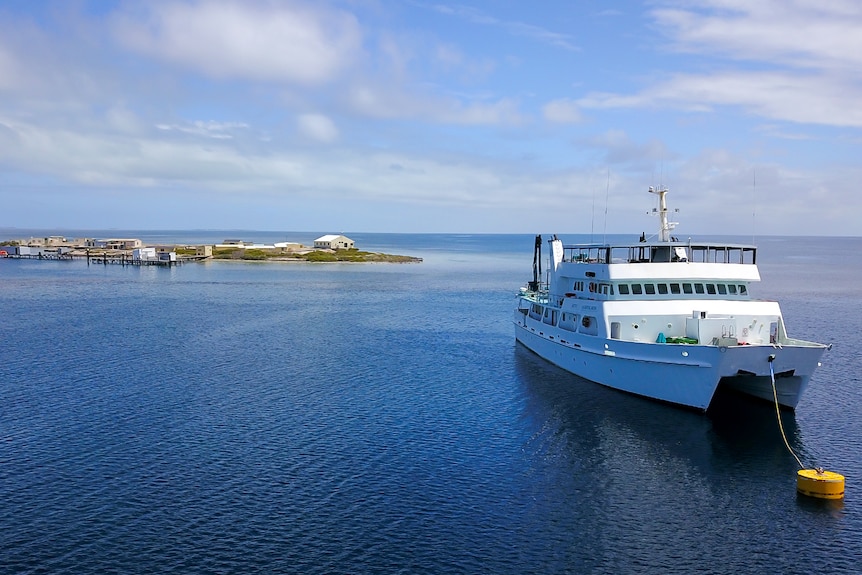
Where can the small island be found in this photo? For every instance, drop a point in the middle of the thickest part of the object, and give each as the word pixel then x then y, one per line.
pixel 131 251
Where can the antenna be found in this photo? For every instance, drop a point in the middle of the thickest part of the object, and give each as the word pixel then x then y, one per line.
pixel 593 216
pixel 661 176
pixel 754 203
pixel 607 193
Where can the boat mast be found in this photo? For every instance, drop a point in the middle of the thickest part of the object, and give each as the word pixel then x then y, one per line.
pixel 537 264
pixel 664 226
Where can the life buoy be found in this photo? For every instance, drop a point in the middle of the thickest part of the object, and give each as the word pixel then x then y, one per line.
pixel 586 322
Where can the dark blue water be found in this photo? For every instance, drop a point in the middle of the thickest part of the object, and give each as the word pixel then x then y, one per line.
pixel 344 418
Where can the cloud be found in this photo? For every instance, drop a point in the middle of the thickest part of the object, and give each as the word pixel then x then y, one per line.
pixel 798 34
pixel 393 102
pixel 620 150
pixel 563 111
pixel 271 41
pixel 163 157
pixel 514 28
pixel 210 129
pixel 796 63
pixel 317 127
pixel 9 70
pixel 799 98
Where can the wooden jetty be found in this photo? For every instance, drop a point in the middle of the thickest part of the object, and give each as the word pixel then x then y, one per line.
pixel 123 260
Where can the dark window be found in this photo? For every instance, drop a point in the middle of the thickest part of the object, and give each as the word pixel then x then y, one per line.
pixel 710 289
pixel 686 288
pixel 732 288
pixel 650 289
pixel 674 288
pixel 662 288
pixel 722 289
pixel 624 289
pixel 698 288
pixel 636 289
pixel 742 289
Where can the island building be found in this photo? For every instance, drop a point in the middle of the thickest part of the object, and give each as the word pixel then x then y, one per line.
pixel 154 254
pixel 333 242
pixel 115 244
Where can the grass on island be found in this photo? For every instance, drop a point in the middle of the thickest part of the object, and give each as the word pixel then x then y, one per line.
pixel 351 255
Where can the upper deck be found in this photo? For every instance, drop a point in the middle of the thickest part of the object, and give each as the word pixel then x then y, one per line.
pixel 661 252
pixel 664 267
pixel 658 260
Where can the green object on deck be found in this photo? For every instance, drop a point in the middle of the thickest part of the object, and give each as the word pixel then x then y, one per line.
pixel 688 340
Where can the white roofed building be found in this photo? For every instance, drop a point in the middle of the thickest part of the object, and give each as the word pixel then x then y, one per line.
pixel 333 242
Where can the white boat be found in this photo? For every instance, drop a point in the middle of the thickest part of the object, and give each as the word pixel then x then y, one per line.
pixel 663 319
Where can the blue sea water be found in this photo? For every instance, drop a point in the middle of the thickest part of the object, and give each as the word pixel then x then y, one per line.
pixel 232 417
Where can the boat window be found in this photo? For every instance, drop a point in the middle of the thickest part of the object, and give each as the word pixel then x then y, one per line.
pixel 650 289
pixel 742 289
pixel 710 289
pixel 674 288
pixel 569 321
pixel 536 311
pixel 589 325
pixel 722 289
pixel 624 289
pixel 732 288
pixel 698 288
pixel 636 289
pixel 686 288
pixel 662 288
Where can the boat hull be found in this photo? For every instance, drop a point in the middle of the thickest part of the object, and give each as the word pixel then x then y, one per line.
pixel 686 375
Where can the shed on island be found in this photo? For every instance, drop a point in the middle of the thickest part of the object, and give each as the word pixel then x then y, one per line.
pixel 115 243
pixel 333 242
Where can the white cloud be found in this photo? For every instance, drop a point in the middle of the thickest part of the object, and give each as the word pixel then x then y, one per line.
pixel 799 61
pixel 394 103
pixel 563 111
pixel 9 70
pixel 785 96
pixel 713 187
pixel 317 127
pixel 818 35
pixel 513 27
pixel 272 41
pixel 210 129
pixel 620 149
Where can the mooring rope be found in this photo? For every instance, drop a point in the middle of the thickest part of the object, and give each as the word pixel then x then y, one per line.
pixel 778 413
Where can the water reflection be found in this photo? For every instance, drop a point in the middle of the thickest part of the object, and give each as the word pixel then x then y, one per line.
pixel 637 479
pixel 598 427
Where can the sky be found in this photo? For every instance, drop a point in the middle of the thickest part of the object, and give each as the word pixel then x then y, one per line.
pixel 497 116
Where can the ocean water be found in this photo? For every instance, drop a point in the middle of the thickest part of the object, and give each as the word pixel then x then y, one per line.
pixel 379 418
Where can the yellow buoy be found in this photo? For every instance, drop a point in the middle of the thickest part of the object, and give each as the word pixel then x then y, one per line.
pixel 820 483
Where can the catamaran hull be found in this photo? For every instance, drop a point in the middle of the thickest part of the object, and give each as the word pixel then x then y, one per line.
pixel 686 375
